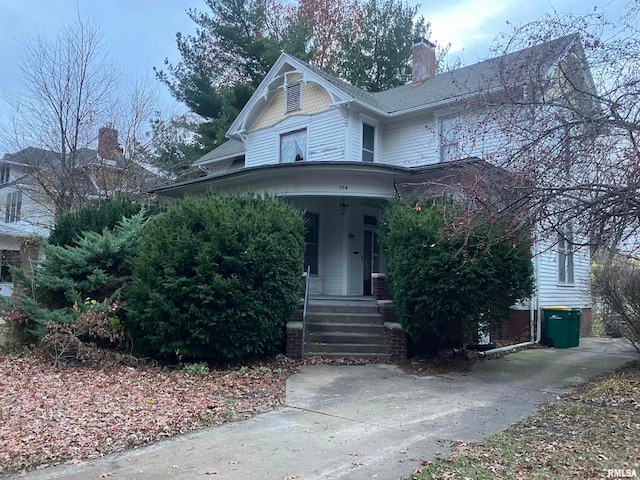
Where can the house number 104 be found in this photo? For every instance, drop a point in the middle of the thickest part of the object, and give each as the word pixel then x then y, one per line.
pixel 343 187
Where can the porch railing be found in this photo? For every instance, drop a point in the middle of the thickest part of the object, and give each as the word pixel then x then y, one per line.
pixel 304 309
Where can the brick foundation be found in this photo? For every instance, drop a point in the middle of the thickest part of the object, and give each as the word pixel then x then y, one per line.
pixel 397 338
pixel 294 340
pixel 586 323
pixel 379 283
pixel 516 328
pixel 387 311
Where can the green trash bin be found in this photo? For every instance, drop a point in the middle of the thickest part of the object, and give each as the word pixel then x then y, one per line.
pixel 562 326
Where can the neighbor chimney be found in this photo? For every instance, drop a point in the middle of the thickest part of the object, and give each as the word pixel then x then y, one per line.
pixel 424 60
pixel 108 142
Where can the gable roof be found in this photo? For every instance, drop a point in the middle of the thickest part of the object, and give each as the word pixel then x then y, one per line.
pixel 520 67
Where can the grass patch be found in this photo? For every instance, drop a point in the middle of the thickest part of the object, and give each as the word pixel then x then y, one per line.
pixel 587 433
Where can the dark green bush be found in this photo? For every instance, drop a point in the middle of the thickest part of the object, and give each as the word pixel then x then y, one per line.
pixel 218 278
pixel 95 218
pixel 444 281
pixel 73 279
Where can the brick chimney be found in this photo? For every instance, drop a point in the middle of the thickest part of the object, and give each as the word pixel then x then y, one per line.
pixel 108 146
pixel 424 60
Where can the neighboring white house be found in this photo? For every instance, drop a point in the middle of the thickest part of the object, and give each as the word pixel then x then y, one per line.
pixel 26 212
pixel 339 152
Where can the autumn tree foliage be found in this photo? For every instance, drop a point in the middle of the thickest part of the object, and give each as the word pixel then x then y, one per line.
pixel 365 42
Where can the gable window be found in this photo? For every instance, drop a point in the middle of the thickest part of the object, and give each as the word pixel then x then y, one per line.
pixel 14 206
pixel 294 97
pixel 368 140
pixel 565 256
pixel 4 174
pixel 449 133
pixel 293 146
pixel 311 238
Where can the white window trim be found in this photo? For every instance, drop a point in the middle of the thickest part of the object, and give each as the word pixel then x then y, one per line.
pixel 365 119
pixel 284 133
pixel 441 144
pixel 566 257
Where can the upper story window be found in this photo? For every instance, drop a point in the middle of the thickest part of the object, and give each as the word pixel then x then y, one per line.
pixel 293 89
pixel 293 146
pixel 5 174
pixel 449 138
pixel 14 207
pixel 368 142
pixel 565 256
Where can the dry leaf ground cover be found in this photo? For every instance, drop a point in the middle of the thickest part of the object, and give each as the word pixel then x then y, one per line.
pixel 584 435
pixel 69 415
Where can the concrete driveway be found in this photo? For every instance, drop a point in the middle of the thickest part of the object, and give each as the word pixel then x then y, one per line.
pixel 363 422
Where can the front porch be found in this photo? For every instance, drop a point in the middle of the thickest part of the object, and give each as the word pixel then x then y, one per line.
pixel 343 247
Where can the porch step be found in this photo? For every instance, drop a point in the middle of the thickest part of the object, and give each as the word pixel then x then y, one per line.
pixel 344 338
pixel 326 307
pixel 344 349
pixel 345 327
pixel 336 317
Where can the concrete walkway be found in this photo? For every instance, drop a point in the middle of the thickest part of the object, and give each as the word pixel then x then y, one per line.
pixel 363 422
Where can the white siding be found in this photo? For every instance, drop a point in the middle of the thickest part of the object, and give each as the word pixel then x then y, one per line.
pixel 325 138
pixel 408 143
pixel 552 293
pixel 332 248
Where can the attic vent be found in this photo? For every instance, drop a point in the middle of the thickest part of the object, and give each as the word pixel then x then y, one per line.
pixel 294 97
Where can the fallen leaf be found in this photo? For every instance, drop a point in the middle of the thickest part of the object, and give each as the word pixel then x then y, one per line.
pixel 107 474
pixel 211 472
pixel 291 477
pixel 357 454
pixel 357 464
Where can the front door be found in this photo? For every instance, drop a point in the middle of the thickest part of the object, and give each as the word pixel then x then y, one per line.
pixel 371 259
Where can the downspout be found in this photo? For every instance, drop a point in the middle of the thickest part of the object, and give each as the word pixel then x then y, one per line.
pixel 536 269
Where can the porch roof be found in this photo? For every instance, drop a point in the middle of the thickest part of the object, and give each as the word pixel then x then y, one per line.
pixel 320 178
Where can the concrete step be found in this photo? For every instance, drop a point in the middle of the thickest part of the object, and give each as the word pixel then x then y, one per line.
pixel 378 357
pixel 342 317
pixel 344 348
pixel 345 337
pixel 346 308
pixel 332 327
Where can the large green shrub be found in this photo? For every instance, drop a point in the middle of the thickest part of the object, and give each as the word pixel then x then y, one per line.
pixel 446 280
pixel 95 218
pixel 73 279
pixel 218 278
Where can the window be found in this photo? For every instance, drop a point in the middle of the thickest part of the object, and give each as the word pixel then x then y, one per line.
pixel 9 258
pixel 293 146
pixel 311 236
pixel 4 174
pixel 368 136
pixel 565 256
pixel 449 133
pixel 14 206
pixel 294 97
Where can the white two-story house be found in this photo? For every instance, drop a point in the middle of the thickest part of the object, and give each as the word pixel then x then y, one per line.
pixel 340 152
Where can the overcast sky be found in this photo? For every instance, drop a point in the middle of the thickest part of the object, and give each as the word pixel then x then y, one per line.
pixel 141 33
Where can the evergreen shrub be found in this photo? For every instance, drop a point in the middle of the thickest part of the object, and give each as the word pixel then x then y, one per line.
pixel 95 218
pixel 447 282
pixel 76 278
pixel 218 279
